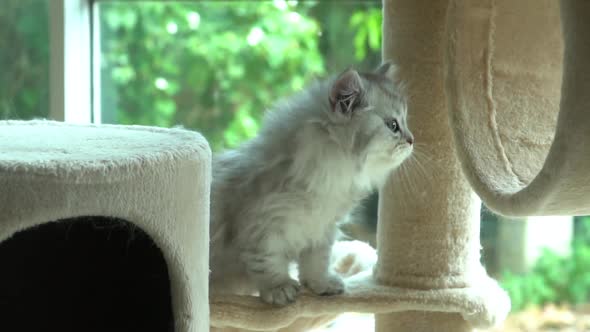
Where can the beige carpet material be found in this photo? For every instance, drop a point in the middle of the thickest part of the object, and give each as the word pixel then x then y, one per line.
pixel 428 234
pixel 524 150
pixel 354 260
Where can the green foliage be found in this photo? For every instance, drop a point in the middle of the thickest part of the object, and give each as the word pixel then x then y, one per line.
pixel 24 59
pixel 207 65
pixel 582 228
pixel 368 37
pixel 554 278
pixel 217 66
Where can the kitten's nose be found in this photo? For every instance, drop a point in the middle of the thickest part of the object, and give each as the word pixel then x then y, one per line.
pixel 410 140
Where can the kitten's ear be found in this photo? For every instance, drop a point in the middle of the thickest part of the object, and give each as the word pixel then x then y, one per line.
pixel 387 69
pixel 346 92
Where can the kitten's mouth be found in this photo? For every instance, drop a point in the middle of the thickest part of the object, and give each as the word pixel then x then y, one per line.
pixel 403 148
pixel 401 152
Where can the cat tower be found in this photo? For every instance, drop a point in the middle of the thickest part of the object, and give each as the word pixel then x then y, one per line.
pixel 491 111
pixel 488 112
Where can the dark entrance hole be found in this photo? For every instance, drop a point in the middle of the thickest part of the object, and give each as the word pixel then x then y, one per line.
pixel 84 274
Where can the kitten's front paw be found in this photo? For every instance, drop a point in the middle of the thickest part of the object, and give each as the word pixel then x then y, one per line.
pixel 281 294
pixel 330 285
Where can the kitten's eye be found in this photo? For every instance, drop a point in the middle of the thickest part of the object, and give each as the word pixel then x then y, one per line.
pixel 393 125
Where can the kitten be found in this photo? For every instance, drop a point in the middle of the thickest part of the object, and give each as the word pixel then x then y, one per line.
pixel 276 199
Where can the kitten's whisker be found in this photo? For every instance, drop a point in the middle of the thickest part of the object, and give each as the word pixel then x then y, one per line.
pixel 425 158
pixel 416 178
pixel 419 150
pixel 407 181
pixel 404 184
pixel 420 167
pixel 418 170
pixel 403 173
pixel 398 176
pixel 426 169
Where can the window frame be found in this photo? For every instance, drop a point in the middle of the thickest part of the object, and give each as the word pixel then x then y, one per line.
pixel 72 77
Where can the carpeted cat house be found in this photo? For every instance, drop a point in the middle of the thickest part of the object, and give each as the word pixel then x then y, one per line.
pixel 103 228
pixel 499 95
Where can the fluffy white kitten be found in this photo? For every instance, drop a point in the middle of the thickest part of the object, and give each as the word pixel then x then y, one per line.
pixel 276 199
